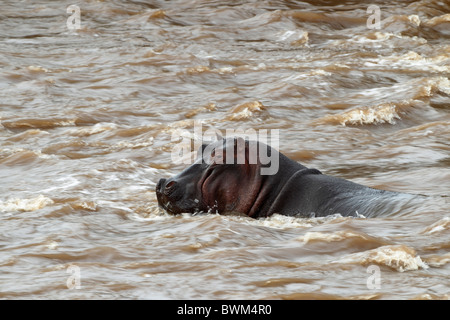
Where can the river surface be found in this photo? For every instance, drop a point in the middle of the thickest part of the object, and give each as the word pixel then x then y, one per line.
pixel 90 114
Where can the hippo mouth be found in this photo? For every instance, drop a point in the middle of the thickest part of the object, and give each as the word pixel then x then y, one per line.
pixel 163 202
pixel 171 198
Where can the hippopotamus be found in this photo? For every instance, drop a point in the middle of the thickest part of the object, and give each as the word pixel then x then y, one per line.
pixel 243 185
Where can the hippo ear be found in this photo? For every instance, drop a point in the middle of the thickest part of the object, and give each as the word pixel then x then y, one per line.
pixel 240 150
pixel 239 144
pixel 246 151
pixel 201 150
pixel 218 136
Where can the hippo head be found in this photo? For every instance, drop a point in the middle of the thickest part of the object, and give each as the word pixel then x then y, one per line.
pixel 227 176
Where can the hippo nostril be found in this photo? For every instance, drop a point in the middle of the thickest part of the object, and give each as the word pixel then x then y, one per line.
pixel 170 184
pixel 169 188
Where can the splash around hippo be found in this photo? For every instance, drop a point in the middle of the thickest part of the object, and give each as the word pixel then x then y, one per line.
pixel 238 176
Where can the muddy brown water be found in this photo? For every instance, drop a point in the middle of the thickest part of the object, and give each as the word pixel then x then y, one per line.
pixel 87 118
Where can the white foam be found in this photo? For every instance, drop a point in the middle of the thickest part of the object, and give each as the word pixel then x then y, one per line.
pixel 384 113
pixel 32 204
pixel 37 69
pixel 140 143
pixel 279 221
pixel 97 128
pixel 398 257
pixel 246 110
pixel 329 237
pixel 294 37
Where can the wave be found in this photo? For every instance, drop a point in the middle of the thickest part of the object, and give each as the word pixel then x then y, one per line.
pixel 413 61
pixel 246 110
pixel 440 23
pixel 20 156
pixel 440 226
pixel 398 257
pixel 418 90
pixel 310 237
pixel 278 221
pixel 437 260
pixel 37 123
pixel 18 204
pixel 37 69
pixel 91 130
pixel 378 114
pixel 335 21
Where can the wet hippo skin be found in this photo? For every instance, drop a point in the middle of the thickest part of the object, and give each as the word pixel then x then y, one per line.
pixel 220 183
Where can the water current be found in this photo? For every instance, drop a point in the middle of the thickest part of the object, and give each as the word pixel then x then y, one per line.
pixel 92 96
